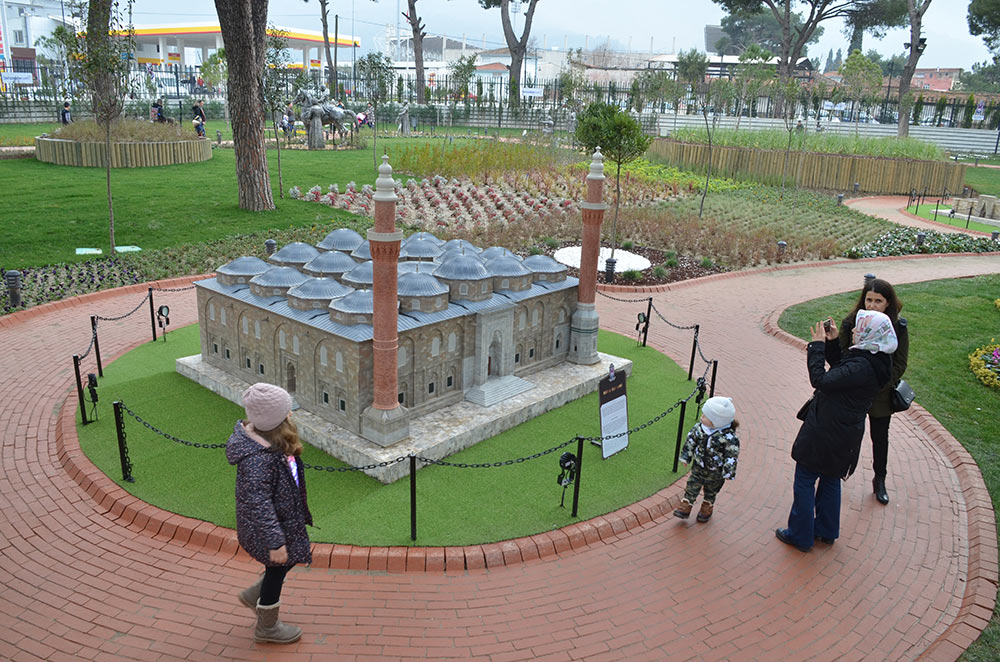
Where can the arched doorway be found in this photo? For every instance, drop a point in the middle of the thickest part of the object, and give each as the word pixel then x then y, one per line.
pixel 493 361
pixel 290 377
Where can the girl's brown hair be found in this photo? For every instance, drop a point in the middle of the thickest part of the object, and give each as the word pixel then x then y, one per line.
pixel 884 288
pixel 284 438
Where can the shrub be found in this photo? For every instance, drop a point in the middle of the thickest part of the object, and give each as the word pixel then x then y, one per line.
pixel 706 263
pixel 903 241
pixel 551 243
pixel 632 275
pixel 627 245
pixel 670 263
pixel 659 272
pixel 126 130
pixel 827 143
pixel 670 254
pixel 535 250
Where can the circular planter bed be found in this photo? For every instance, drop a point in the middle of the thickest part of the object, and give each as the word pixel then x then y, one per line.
pixel 123 154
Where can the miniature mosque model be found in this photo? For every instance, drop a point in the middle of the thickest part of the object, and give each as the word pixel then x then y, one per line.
pixel 370 334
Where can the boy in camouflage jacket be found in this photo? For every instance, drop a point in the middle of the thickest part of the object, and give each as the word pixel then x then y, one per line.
pixel 713 448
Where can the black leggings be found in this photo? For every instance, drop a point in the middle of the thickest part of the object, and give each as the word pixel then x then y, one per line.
pixel 270 588
pixel 879 428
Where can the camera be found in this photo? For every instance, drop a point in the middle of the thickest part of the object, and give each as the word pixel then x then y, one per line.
pixel 827 325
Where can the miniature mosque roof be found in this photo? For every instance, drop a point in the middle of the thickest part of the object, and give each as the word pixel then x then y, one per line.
pixel 331 262
pixel 319 288
pixel 361 275
pixel 357 302
pixel 420 267
pixel 362 252
pixel 425 236
pixel 420 248
pixel 462 267
pixel 507 266
pixel 296 252
pixel 462 243
pixel 279 277
pixel 543 264
pixel 244 266
pixel 420 285
pixel 498 251
pixel 458 250
pixel 341 239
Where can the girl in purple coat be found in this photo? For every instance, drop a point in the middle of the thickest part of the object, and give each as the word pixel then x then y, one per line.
pixel 271 508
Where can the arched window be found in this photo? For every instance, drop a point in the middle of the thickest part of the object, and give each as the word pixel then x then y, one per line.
pixel 401 356
pixel 505 284
pixel 435 346
pixel 295 344
pixel 562 314
pixel 256 329
pixel 222 315
pixel 534 317
pixel 463 289
pixel 246 328
pixel 211 311
pixel 323 357
pixel 484 287
pixel 339 359
pixel 415 304
pixel 522 320
pixel 281 339
pixel 452 341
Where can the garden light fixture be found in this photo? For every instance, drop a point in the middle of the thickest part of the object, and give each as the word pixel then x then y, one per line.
pixel 995 235
pixel 13 280
pixel 840 198
pixel 869 278
pixel 270 246
pixel 218 137
pixel 920 238
pixel 857 185
pixel 782 245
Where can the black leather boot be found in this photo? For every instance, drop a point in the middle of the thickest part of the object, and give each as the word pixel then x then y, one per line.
pixel 878 487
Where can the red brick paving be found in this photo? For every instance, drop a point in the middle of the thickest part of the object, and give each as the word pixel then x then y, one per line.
pixel 893 208
pixel 90 573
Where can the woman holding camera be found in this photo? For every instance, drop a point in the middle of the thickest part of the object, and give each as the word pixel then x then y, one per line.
pixel 828 444
pixel 880 296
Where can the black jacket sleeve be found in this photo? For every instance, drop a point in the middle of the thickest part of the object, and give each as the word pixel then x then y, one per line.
pixel 843 376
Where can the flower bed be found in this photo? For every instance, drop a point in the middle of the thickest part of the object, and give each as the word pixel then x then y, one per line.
pixel 985 364
pixel 903 241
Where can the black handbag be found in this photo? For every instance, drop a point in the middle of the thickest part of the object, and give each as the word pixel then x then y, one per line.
pixel 804 409
pixel 902 397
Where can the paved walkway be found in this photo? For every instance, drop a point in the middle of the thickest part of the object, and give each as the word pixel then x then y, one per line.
pixel 85 579
pixel 890 207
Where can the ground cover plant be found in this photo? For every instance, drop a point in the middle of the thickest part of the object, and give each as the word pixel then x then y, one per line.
pixel 455 506
pixel 985 181
pixel 948 320
pixel 926 210
pixel 902 240
pixel 124 130
pixel 827 143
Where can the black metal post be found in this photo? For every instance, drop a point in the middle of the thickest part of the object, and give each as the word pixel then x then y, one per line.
pixel 122 447
pixel 79 389
pixel 694 350
pixel 680 435
pixel 916 209
pixel 579 470
pixel 936 209
pixel 645 329
pixel 413 497
pixel 969 217
pixel 715 369
pixel 97 345
pixel 152 314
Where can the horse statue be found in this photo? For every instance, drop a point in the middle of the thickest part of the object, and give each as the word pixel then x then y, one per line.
pixel 317 111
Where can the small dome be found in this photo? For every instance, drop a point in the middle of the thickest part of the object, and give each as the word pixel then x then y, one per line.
pixel 362 252
pixel 462 243
pixel 330 263
pixel 543 264
pixel 279 277
pixel 462 267
pixel 361 275
pixel 424 236
pixel 420 285
pixel 341 239
pixel 294 253
pixel 420 249
pixel 244 266
pixel 359 302
pixel 458 250
pixel 498 251
pixel 507 266
pixel 319 288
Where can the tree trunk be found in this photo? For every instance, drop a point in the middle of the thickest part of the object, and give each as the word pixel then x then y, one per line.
pixel 857 37
pixel 418 48
pixel 708 174
pixel 243 26
pixel 277 143
pixel 517 48
pixel 111 207
pixel 330 81
pixel 916 12
pixel 618 198
pixel 375 135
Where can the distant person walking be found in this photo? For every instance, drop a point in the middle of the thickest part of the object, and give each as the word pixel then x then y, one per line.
pixel 271 508
pixel 64 115
pixel 199 117
pixel 156 113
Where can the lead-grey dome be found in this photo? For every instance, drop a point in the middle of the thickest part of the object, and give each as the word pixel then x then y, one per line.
pixel 456 251
pixel 330 263
pixel 507 266
pixel 498 251
pixel 462 267
pixel 341 239
pixel 424 236
pixel 421 267
pixel 358 302
pixel 319 288
pixel 462 243
pixel 543 264
pixel 362 252
pixel 297 253
pixel 279 277
pixel 420 285
pixel 361 275
pixel 420 249
pixel 244 266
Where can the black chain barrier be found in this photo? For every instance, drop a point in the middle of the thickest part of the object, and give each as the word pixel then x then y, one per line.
pixel 174 289
pixel 167 435
pixel 121 317
pixel 669 323
pixel 503 463
pixel 646 300
pixel 93 337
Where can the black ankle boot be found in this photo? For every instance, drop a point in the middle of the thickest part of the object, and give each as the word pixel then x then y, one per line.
pixel 878 487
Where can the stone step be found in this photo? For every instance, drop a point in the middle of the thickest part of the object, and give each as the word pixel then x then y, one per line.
pixel 497 389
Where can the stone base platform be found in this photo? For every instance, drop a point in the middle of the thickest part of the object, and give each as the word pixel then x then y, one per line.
pixel 435 435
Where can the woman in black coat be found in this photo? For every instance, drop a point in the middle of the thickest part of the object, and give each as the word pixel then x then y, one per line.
pixel 828 444
pixel 879 295
pixel 271 508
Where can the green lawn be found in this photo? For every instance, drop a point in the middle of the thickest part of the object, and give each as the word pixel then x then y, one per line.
pixel 455 506
pixel 927 211
pixel 986 181
pixel 948 319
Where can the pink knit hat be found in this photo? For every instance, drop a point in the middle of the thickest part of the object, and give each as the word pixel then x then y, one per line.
pixel 267 405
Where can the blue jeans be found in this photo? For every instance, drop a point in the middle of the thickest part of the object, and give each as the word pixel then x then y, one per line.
pixel 815 509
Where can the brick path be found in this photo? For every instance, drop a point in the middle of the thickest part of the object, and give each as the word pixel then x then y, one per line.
pixel 890 207
pixel 90 579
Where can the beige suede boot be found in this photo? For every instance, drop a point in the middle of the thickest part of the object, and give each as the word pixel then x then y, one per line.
pixel 248 596
pixel 683 510
pixel 270 629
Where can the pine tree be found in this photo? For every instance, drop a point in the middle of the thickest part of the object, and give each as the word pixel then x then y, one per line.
pixel 828 67
pixel 839 61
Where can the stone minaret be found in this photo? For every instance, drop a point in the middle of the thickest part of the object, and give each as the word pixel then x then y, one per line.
pixel 385 422
pixel 583 328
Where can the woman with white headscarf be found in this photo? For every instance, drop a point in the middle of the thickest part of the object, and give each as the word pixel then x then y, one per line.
pixel 828 445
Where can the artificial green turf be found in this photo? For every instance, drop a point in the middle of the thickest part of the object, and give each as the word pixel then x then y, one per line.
pixel 986 181
pixel 927 211
pixel 948 319
pixel 454 506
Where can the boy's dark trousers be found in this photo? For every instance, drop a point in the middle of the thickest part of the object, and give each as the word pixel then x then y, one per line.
pixel 699 478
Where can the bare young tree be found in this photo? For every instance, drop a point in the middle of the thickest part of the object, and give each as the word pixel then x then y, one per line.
pixel 517 46
pixel 915 10
pixel 418 46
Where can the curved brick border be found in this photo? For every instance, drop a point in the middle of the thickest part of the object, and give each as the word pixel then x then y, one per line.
pixel 981 574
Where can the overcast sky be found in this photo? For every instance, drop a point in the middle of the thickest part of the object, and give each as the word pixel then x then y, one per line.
pixel 669 23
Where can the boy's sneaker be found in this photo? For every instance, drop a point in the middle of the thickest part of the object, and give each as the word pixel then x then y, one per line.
pixel 683 510
pixel 705 513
